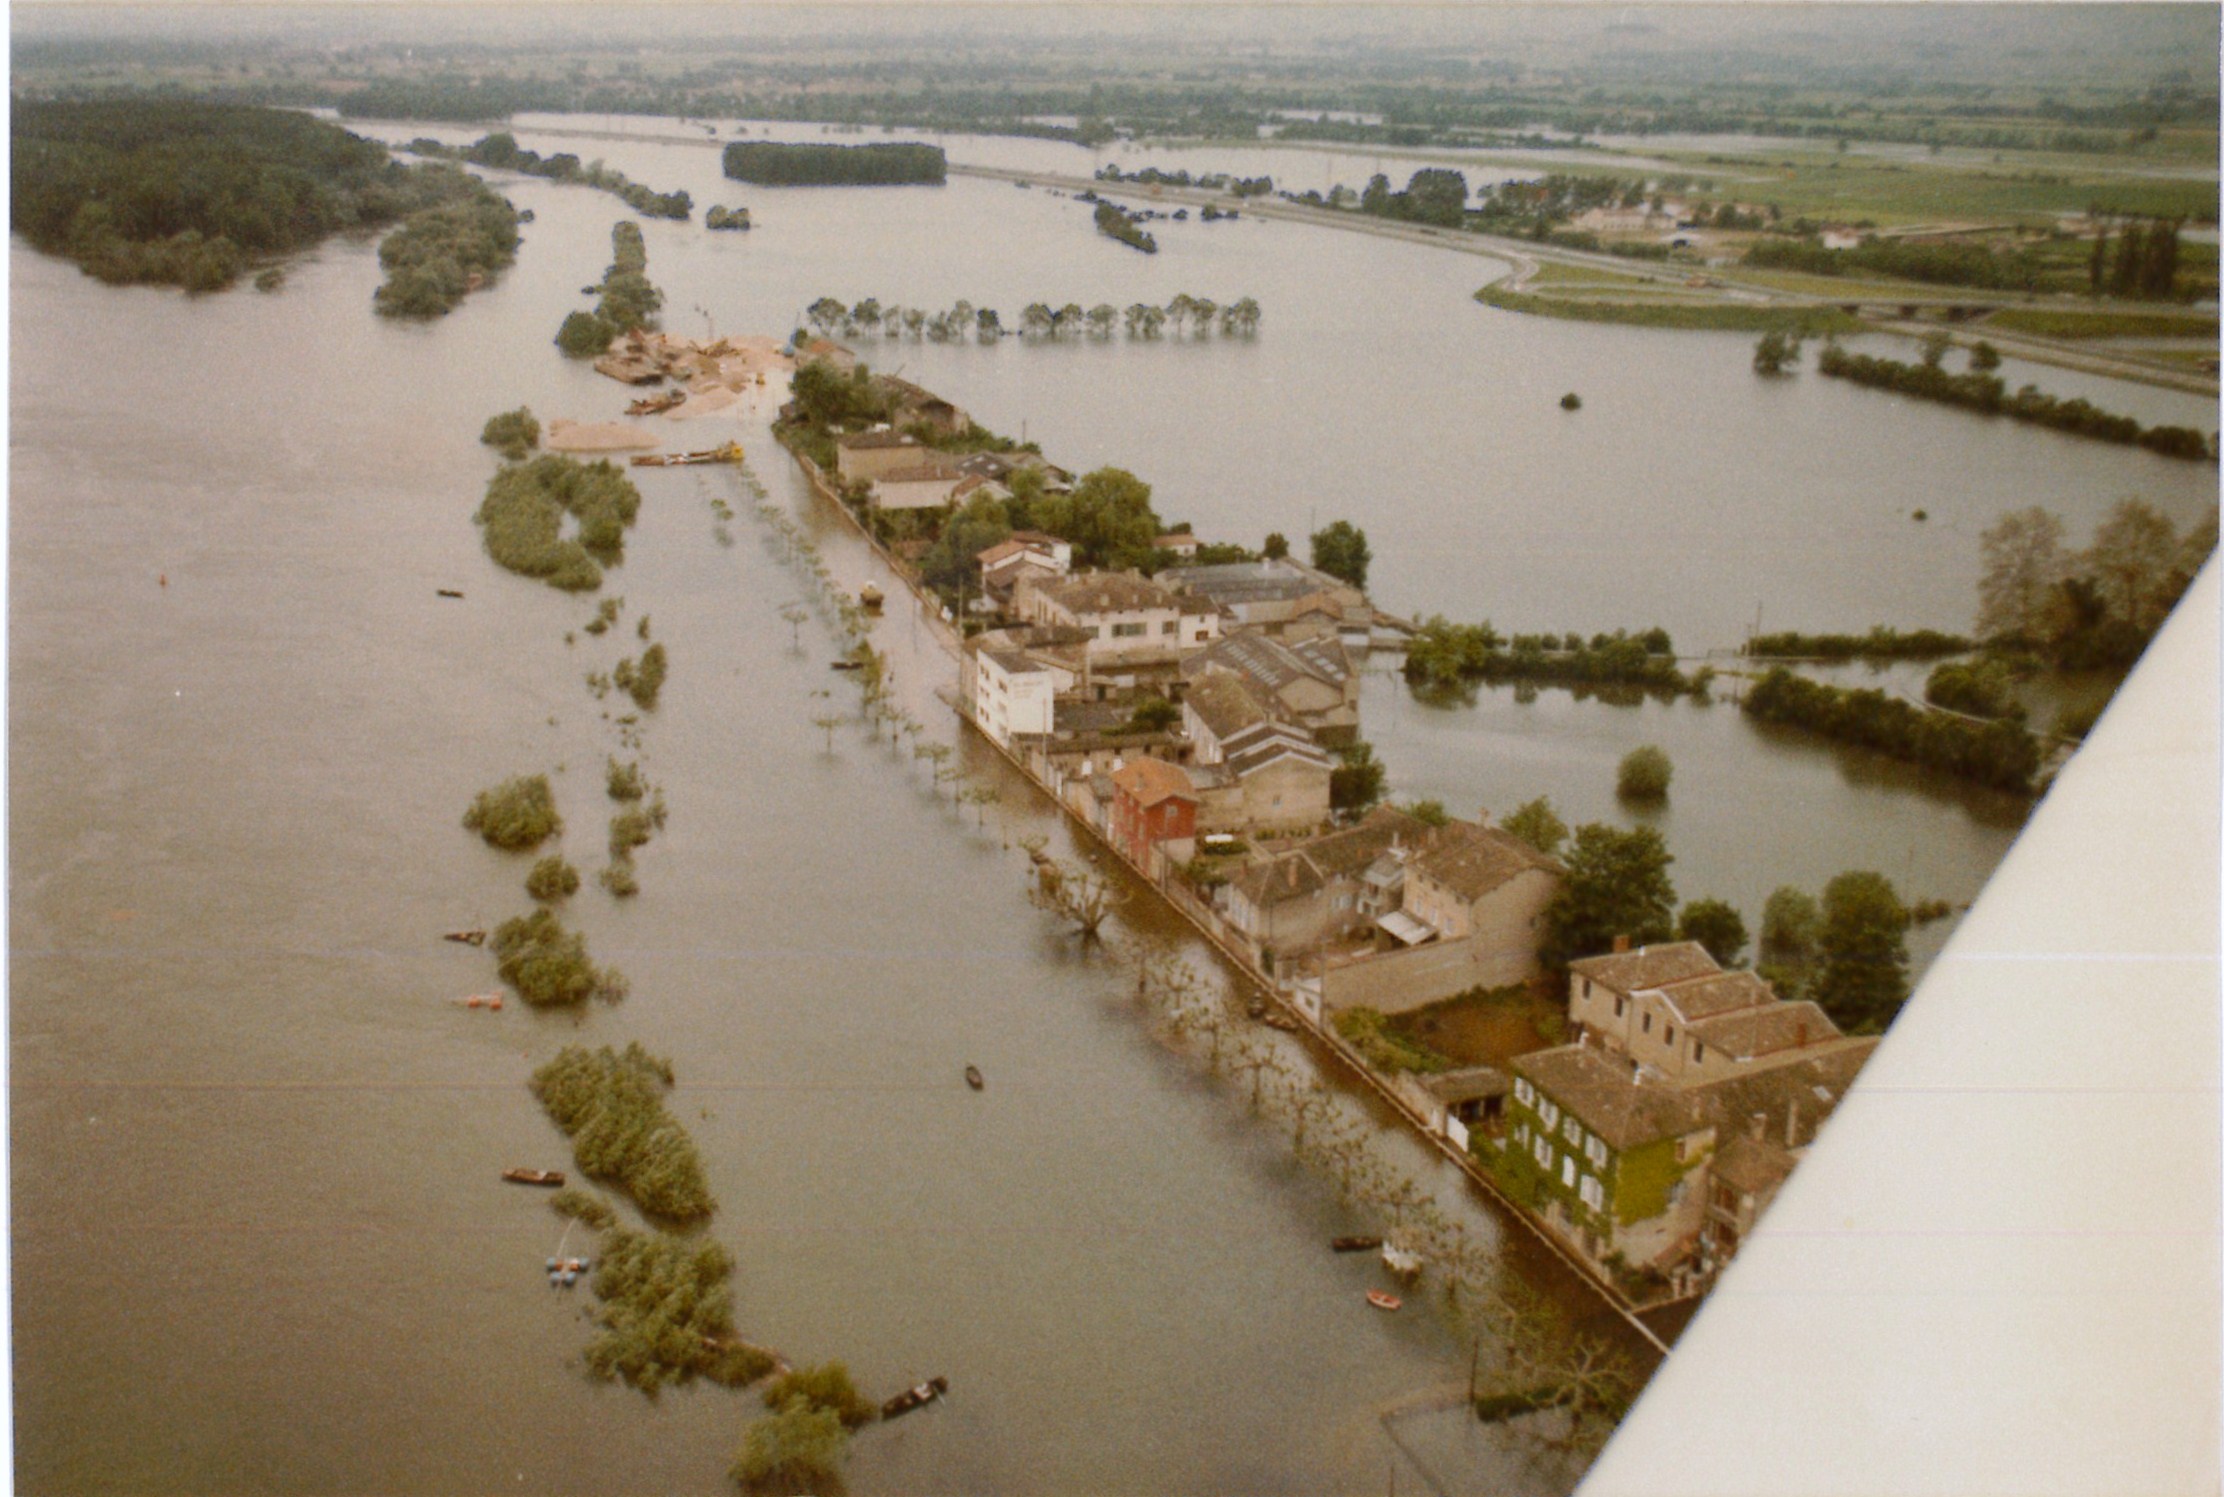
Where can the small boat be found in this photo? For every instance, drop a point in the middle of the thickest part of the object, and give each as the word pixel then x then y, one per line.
pixel 973 1078
pixel 467 937
pixel 447 592
pixel 533 1177
pixel 1354 1244
pixel 1274 1018
pixel 914 1396
pixel 652 404
pixel 1383 1301
pixel 870 596
pixel 730 453
pixel 845 665
pixel 483 1000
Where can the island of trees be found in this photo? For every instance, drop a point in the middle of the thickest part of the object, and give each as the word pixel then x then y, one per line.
pixel 166 192
pixel 885 164
pixel 1114 222
pixel 502 152
pixel 1444 656
pixel 1195 315
pixel 629 300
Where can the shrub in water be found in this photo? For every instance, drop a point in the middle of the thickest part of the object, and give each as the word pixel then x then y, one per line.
pixel 548 964
pixel 517 814
pixel 1644 775
pixel 826 1386
pixel 551 879
pixel 513 433
pixel 611 1103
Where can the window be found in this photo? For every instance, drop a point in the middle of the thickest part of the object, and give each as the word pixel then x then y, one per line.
pixel 1586 990
pixel 1567 1171
pixel 1648 1021
pixel 1522 1093
pixel 1592 1193
pixel 1543 1151
pixel 1670 1037
pixel 1595 1151
pixel 1698 1050
pixel 1550 1114
pixel 1620 1003
pixel 1573 1132
pixel 1127 631
pixel 1171 626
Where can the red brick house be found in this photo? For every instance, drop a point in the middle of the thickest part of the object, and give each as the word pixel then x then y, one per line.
pixel 1152 803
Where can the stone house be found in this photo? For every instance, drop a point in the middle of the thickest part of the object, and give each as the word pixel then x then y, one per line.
pixel 1133 620
pixel 932 483
pixel 1675 1012
pixel 1308 681
pixel 869 454
pixel 911 405
pixel 1271 781
pixel 1488 888
pixel 1318 892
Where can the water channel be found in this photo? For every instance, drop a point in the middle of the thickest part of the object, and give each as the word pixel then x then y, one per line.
pixel 259 1244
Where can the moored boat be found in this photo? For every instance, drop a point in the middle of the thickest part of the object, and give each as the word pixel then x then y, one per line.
pixel 652 404
pixel 1354 1244
pixel 1383 1301
pixel 467 937
pixel 914 1396
pixel 730 453
pixel 871 597
pixel 523 1176
pixel 974 1079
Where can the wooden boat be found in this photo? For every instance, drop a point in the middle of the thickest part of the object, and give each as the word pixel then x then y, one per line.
pixel 1383 1301
pixel 533 1177
pixel 483 1000
pixel 914 1396
pixel 467 937
pixel 730 453
pixel 844 665
pixel 870 596
pixel 1354 1244
pixel 447 592
pixel 652 404
pixel 974 1079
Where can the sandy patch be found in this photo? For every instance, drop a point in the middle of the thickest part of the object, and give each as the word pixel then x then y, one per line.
pixel 597 436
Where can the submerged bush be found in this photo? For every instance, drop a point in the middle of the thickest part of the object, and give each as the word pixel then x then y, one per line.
pixel 667 1315
pixel 624 781
pixel 826 1386
pixel 513 433
pixel 523 513
pixel 644 680
pixel 551 879
pixel 587 1210
pixel 548 964
pixel 1644 775
pixel 611 1104
pixel 518 814
pixel 796 1450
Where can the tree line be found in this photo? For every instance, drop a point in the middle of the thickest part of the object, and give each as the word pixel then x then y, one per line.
pixel 2145 262
pixel 1197 315
pixel 1936 262
pixel 1445 655
pixel 883 164
pixel 2002 754
pixel 628 301
pixel 1151 176
pixel 1880 643
pixel 2091 608
pixel 1980 391
pixel 501 152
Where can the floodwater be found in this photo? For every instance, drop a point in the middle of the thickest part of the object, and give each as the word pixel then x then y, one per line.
pixel 259 1242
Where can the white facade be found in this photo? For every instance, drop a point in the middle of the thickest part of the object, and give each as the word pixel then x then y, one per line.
pixel 1012 696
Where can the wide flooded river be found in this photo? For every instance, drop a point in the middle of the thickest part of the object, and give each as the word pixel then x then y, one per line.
pixel 260 1245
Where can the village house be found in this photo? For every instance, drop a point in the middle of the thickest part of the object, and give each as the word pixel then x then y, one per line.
pixel 1270 781
pixel 1181 544
pixel 1487 887
pixel 1216 708
pixel 1134 621
pixel 910 406
pixel 1021 553
pixel 1674 1011
pixel 1279 595
pixel 933 483
pixel 1317 893
pixel 1308 681
pixel 1662 1132
pixel 870 454
pixel 1015 692
pixel 1153 809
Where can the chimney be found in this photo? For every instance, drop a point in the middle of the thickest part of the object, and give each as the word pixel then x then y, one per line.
pixel 1791 1126
pixel 1621 943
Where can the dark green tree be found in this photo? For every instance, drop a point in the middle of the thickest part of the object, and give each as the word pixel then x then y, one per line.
pixel 1716 925
pixel 1108 517
pixel 1357 782
pixel 1863 978
pixel 1644 775
pixel 1341 551
pixel 1277 546
pixel 1536 823
pixel 1616 884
